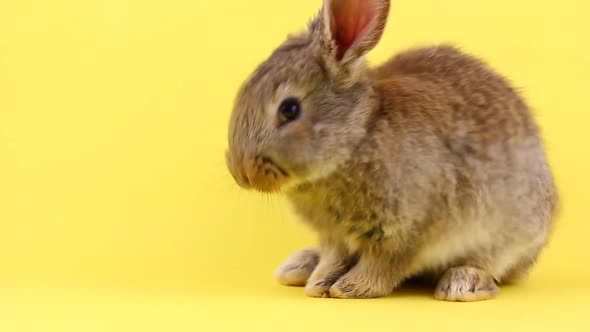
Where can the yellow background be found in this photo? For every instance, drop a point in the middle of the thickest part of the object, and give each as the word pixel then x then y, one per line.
pixel 116 209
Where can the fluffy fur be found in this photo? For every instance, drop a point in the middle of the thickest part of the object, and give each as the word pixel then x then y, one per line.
pixel 428 165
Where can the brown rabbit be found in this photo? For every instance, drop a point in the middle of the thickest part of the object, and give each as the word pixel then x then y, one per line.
pixel 429 165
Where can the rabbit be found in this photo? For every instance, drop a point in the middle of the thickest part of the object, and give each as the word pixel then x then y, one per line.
pixel 429 165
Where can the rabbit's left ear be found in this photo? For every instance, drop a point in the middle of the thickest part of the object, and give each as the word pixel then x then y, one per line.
pixel 348 29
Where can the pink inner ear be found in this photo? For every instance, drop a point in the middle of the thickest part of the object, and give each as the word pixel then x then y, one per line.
pixel 350 20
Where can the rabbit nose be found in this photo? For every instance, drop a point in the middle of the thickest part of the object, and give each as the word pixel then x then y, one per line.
pixel 250 169
pixel 243 179
pixel 258 172
pixel 237 170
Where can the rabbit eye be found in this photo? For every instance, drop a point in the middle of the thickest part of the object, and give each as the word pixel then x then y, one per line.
pixel 289 110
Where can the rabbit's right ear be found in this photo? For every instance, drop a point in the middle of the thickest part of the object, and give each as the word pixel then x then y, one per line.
pixel 348 29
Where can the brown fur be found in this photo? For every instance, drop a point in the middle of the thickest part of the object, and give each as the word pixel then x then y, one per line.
pixel 428 165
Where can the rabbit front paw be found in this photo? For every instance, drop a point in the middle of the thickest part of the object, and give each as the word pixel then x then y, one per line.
pixel 296 269
pixel 328 271
pixel 359 284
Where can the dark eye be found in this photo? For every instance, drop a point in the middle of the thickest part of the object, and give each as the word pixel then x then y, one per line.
pixel 289 110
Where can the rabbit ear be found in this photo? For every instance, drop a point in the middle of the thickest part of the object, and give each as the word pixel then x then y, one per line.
pixel 351 28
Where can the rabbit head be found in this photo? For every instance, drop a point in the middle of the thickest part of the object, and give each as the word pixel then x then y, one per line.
pixel 300 115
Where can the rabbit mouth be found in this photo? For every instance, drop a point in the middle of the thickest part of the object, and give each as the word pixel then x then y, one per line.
pixel 260 173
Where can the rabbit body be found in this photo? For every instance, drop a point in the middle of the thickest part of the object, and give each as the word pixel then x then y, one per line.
pixel 451 172
pixel 429 165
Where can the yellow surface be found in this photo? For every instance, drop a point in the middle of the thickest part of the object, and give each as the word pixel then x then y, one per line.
pixel 116 209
